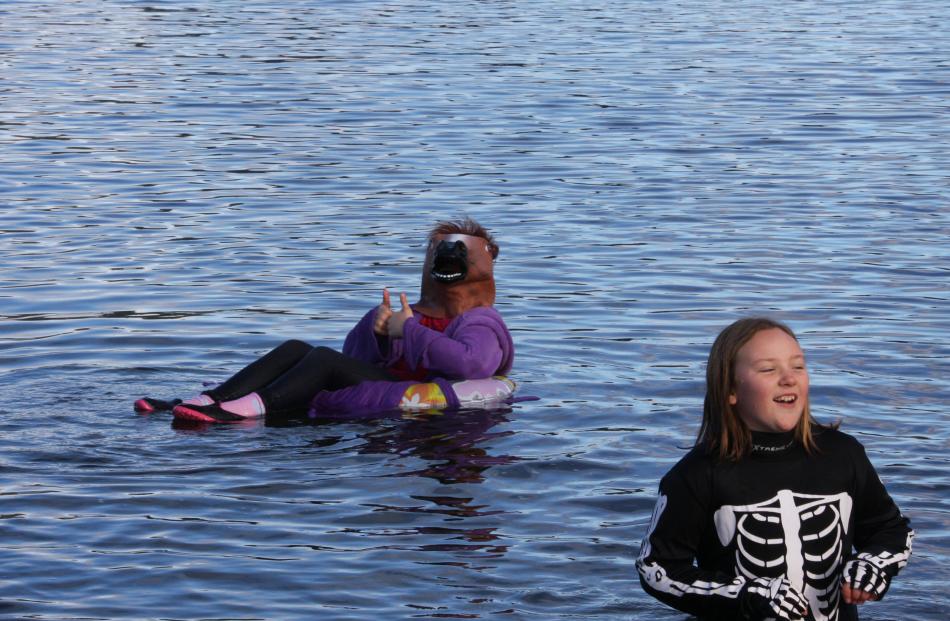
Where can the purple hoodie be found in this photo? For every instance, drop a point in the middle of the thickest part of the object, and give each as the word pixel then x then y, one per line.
pixel 475 344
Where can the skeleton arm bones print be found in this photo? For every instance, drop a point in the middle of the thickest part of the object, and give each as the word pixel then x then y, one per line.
pixel 882 540
pixel 762 537
pixel 666 562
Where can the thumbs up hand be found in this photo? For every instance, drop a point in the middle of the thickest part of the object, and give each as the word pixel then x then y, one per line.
pixel 383 312
pixel 398 318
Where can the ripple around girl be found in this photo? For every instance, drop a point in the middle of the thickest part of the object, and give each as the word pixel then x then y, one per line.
pixel 449 349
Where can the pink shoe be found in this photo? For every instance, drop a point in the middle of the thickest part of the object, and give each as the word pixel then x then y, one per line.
pixel 147 405
pixel 206 413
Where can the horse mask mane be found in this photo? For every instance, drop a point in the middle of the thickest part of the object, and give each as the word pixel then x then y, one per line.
pixel 458 275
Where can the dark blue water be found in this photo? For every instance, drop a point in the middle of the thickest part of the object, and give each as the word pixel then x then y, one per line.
pixel 184 184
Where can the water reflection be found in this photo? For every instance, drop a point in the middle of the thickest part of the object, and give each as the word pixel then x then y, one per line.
pixel 452 443
pixel 212 176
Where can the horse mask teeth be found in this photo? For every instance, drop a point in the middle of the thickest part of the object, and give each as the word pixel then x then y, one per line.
pixel 458 275
pixel 450 261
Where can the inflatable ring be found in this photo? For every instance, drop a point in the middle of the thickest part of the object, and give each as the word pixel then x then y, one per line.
pixel 479 393
pixel 374 398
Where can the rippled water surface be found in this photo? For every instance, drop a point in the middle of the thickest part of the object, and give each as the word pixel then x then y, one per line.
pixel 184 184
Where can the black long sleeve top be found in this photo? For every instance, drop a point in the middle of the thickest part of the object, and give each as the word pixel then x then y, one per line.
pixel 778 512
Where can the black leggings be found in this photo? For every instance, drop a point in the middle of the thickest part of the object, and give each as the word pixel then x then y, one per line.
pixel 288 377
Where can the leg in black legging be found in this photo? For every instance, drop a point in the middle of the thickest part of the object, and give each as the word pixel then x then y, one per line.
pixel 320 369
pixel 262 371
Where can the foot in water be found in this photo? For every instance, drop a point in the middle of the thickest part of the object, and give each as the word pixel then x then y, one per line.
pixel 150 404
pixel 213 413
pixel 247 407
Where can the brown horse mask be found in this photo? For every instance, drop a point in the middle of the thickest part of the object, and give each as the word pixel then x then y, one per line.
pixel 457 275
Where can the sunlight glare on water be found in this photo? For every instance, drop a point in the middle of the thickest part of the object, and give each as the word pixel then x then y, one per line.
pixel 185 184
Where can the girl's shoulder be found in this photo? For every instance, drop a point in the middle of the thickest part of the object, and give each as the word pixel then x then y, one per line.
pixel 828 438
pixel 695 467
pixel 840 451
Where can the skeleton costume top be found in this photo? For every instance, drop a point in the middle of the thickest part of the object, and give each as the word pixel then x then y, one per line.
pixel 727 536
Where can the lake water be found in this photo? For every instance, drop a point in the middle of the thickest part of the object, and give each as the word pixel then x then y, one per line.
pixel 184 184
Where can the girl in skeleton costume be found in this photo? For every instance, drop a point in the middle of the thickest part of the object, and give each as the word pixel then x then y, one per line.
pixel 452 333
pixel 771 515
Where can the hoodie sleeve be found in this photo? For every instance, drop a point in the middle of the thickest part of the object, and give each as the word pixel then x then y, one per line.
pixel 363 344
pixel 477 345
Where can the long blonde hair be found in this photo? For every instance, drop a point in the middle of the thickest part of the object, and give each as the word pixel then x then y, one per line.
pixel 723 433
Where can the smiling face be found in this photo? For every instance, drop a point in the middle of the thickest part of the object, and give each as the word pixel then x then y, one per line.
pixel 770 388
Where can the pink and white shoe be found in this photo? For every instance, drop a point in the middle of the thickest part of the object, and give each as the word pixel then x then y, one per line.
pixel 212 413
pixel 147 405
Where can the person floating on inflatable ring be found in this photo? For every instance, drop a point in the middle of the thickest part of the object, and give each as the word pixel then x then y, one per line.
pixel 449 349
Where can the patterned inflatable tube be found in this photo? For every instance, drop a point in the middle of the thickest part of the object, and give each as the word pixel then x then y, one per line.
pixel 373 399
